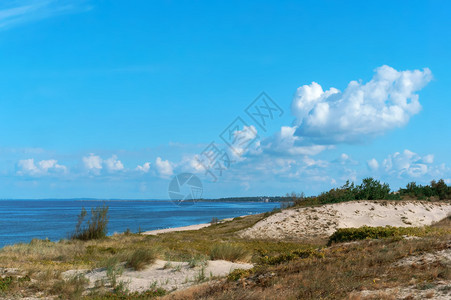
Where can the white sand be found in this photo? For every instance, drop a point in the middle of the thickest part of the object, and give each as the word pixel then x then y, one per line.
pixel 183 228
pixel 177 275
pixel 324 220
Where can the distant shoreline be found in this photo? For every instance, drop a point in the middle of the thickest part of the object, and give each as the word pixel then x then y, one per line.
pixel 228 199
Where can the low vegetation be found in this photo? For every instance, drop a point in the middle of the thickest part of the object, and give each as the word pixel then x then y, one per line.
pixel 365 232
pixel 141 258
pixel 230 252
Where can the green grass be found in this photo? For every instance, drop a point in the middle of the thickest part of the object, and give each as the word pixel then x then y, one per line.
pixel 141 258
pixel 366 232
pixel 230 252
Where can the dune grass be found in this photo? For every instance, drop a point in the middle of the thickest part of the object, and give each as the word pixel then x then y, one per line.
pixel 141 258
pixel 230 252
pixel 343 271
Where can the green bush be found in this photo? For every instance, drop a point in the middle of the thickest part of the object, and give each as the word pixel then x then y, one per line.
pixel 295 254
pixel 238 274
pixel 5 282
pixel 366 232
pixel 95 227
pixel 140 258
pixel 435 189
pixel 230 252
pixel 369 189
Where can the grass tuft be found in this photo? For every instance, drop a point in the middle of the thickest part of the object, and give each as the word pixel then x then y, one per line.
pixel 230 252
pixel 140 258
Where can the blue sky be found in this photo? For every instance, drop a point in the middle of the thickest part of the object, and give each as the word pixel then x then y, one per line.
pixel 110 99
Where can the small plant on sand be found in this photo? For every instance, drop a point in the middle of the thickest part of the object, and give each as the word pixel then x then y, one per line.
pixel 200 277
pixel 140 258
pixel 95 227
pixel 72 288
pixel 230 252
pixel 113 270
pixel 197 260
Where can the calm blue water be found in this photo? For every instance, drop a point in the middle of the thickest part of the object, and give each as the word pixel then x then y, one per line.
pixel 23 220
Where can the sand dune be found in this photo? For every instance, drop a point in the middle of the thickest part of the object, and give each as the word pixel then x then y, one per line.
pixel 324 220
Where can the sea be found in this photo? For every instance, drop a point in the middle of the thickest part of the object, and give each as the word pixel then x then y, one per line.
pixel 24 220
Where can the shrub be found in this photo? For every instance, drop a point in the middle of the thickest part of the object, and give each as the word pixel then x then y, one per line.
pixel 5 282
pixel 366 232
pixel 139 259
pixel 95 227
pixel 195 261
pixel 369 189
pixel 435 189
pixel 295 254
pixel 238 274
pixel 230 252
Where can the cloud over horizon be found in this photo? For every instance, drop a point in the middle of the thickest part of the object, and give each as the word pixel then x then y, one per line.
pixel 361 111
pixel 43 167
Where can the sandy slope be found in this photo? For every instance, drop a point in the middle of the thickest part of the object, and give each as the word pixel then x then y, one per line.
pixel 324 220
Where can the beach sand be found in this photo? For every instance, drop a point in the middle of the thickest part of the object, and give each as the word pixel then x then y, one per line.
pixel 185 228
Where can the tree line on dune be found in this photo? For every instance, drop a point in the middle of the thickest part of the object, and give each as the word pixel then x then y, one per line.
pixel 372 189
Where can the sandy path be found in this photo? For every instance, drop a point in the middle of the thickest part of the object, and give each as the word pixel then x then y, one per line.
pixel 324 220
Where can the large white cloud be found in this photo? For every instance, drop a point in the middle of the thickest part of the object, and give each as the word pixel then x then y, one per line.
pixel 362 110
pixel 43 167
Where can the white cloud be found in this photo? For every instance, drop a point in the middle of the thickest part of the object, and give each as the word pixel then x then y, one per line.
pixel 285 142
pixel 345 159
pixel 244 140
pixel 43 167
pixel 408 164
pixel 112 164
pixel 428 159
pixel 386 102
pixel 373 164
pixel 144 168
pixel 93 163
pixel 164 167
